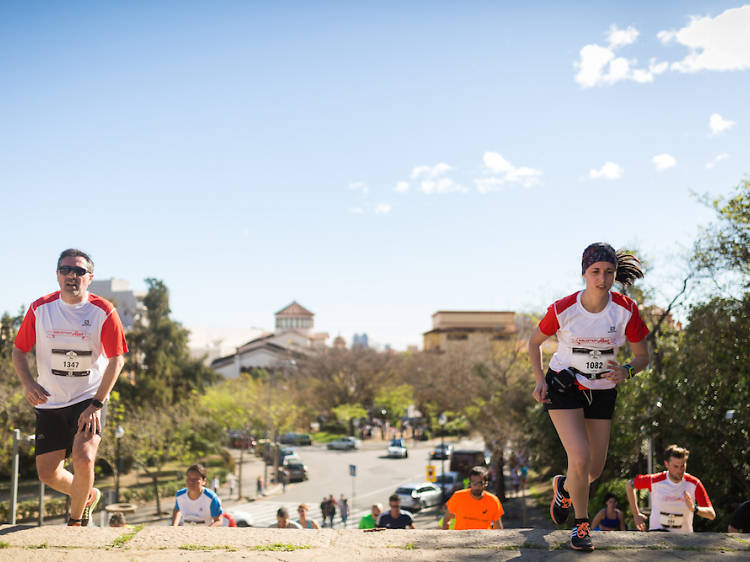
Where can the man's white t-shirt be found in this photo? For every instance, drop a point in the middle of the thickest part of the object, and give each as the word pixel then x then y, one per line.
pixel 202 510
pixel 668 508
pixel 74 343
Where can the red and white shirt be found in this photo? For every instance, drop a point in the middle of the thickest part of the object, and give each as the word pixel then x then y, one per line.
pixel 587 340
pixel 74 343
pixel 668 508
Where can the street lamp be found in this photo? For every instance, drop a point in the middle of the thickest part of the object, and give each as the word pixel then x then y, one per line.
pixel 119 432
pixel 442 421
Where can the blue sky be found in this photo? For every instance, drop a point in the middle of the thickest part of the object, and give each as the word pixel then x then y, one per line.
pixel 376 161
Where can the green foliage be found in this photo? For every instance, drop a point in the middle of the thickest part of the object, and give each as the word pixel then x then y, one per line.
pixel 165 373
pixel 395 400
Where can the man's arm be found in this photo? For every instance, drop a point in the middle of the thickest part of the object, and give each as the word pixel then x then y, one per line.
pixel 216 521
pixel 638 517
pixel 705 512
pixel 91 416
pixel 175 517
pixel 447 520
pixel 35 393
pixel 498 523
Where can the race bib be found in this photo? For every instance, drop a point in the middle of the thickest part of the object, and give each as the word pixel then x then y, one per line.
pixel 670 520
pixel 591 361
pixel 71 362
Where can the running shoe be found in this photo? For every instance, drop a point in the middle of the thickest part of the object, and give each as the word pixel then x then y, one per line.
pixel 580 537
pixel 94 498
pixel 560 506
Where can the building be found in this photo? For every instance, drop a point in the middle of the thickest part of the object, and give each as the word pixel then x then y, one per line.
pixel 465 329
pixel 292 338
pixel 129 304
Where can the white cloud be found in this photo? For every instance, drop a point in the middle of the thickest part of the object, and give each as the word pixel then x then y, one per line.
pixel 664 161
pixel 431 171
pixel 621 37
pixel 712 164
pixel 718 124
pixel 720 43
pixel 500 171
pixel 441 185
pixel 356 210
pixel 610 171
pixel 598 65
pixel 359 186
pixel 402 186
pixel 383 208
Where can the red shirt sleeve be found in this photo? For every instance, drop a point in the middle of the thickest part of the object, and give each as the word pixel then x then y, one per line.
pixel 642 482
pixel 701 497
pixel 636 328
pixel 26 336
pixel 549 325
pixel 113 336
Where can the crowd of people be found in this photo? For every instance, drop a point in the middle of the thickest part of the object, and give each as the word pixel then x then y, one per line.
pixel 79 346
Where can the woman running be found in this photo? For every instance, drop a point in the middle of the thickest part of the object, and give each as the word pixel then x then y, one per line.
pixel 579 390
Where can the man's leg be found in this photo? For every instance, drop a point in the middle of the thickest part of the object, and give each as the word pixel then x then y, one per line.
pixel 85 446
pixel 51 470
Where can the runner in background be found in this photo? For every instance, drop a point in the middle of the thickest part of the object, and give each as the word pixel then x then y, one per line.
pixel 474 508
pixel 676 496
pixel 579 389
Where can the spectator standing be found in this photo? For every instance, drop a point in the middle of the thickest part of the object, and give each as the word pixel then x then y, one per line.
pixel 216 483
pixel 515 480
pixel 368 521
pixel 344 509
pixel 676 496
pixel 610 518
pixel 195 503
pixel 324 510
pixel 474 508
pixel 395 517
pixel 259 486
pixel 231 480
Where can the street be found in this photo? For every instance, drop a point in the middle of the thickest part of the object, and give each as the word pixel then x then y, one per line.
pixel 377 478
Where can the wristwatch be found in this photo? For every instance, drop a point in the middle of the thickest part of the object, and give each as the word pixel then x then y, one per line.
pixel 98 404
pixel 629 368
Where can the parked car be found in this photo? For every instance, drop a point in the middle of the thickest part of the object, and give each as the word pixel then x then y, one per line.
pixel 242 518
pixel 418 496
pixel 397 449
pixel 295 468
pixel 442 451
pixel 344 443
pixel 452 481
pixel 293 438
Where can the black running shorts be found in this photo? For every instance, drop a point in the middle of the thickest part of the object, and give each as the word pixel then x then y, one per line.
pixel 56 428
pixel 601 406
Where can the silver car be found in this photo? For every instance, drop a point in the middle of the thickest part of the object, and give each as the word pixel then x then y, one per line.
pixel 416 496
pixel 344 443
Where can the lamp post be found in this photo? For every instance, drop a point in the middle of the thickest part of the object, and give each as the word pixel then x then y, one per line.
pixel 119 432
pixel 442 420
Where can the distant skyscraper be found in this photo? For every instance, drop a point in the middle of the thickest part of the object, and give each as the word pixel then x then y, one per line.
pixel 360 341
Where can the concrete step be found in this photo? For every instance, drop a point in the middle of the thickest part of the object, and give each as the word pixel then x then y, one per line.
pixel 199 543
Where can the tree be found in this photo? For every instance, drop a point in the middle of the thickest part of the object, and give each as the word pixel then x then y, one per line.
pixel 395 400
pixel 165 374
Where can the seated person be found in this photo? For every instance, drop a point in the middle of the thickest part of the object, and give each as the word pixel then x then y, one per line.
pixel 610 518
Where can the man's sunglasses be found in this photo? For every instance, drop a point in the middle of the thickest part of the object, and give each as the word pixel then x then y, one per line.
pixel 68 269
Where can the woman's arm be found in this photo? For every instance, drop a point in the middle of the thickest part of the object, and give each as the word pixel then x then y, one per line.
pixel 598 518
pixel 621 517
pixel 535 357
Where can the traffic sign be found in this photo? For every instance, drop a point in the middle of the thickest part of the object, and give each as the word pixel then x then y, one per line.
pixel 352 470
pixel 431 473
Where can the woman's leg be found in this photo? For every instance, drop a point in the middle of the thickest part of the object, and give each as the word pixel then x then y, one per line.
pixel 571 428
pixel 598 436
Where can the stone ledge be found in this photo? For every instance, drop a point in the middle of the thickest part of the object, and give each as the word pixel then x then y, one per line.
pixel 41 544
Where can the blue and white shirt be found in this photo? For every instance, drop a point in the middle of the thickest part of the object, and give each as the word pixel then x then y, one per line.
pixel 202 510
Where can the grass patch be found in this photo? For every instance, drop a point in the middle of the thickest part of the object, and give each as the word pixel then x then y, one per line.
pixel 410 546
pixel 226 548
pixel 281 547
pixel 122 540
pixel 38 546
pixel 4 544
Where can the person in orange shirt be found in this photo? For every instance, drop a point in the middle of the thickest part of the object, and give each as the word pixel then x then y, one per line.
pixel 474 508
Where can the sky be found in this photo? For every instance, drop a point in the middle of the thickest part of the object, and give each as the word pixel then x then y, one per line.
pixel 375 161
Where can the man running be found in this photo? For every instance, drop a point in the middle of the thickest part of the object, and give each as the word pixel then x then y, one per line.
pixel 196 504
pixel 474 508
pixel 675 496
pixel 80 345
pixel 395 517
